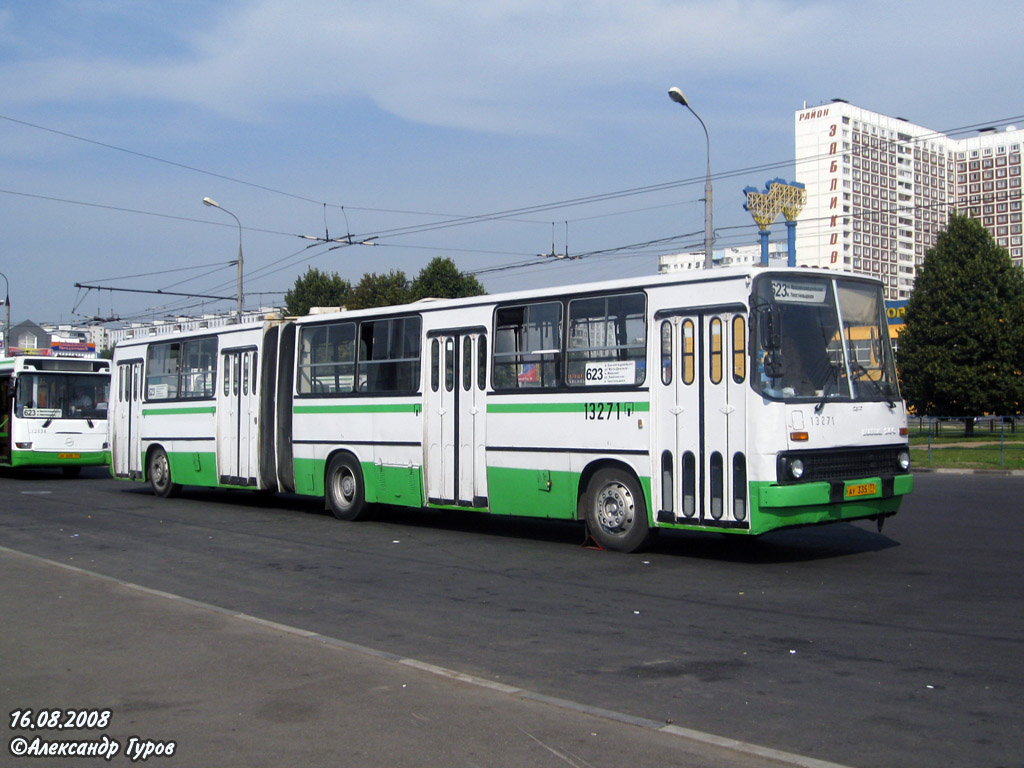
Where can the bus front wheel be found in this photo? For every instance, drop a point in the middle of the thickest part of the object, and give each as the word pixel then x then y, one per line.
pixel 160 475
pixel 344 488
pixel 616 514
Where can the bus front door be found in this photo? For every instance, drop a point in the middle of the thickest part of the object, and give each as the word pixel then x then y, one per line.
pixel 454 410
pixel 700 419
pixel 126 439
pixel 725 421
pixel 238 418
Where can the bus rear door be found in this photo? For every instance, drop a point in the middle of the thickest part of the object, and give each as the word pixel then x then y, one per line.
pixel 455 418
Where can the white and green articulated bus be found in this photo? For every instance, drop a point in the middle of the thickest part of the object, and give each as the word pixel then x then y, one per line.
pixel 736 400
pixel 54 412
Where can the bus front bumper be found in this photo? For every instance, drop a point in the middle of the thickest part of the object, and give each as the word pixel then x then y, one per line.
pixel 780 506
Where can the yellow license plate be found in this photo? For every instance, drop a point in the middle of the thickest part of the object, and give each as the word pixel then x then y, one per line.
pixel 69 455
pixel 861 489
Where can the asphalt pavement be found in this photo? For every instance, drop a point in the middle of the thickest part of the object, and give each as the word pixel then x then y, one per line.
pixel 170 681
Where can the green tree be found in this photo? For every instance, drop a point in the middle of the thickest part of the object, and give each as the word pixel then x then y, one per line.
pixel 441 279
pixel 962 351
pixel 317 289
pixel 380 290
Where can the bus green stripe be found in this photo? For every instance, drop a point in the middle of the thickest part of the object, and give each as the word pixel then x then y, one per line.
pixel 177 411
pixel 559 407
pixel 365 408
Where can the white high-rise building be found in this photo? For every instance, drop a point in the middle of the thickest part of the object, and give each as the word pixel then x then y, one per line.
pixel 880 189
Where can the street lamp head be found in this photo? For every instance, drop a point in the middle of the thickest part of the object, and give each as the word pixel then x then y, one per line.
pixel 211 203
pixel 678 96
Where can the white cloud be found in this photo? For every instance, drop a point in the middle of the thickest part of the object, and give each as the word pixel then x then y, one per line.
pixel 490 66
pixel 529 65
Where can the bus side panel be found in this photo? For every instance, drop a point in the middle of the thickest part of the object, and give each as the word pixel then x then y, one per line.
pixel 191 467
pixel 396 477
pixel 394 484
pixel 309 475
pixel 384 484
pixel 534 462
pixel 532 492
pixel 376 433
pixel 183 432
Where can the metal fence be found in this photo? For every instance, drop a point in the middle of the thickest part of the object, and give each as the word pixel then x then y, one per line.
pixel 947 425
pixel 985 431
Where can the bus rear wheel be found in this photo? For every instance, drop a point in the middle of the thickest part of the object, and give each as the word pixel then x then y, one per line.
pixel 159 471
pixel 343 486
pixel 615 512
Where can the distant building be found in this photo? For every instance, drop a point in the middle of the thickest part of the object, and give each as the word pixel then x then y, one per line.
pixel 95 335
pixel 29 338
pixel 743 255
pixel 880 189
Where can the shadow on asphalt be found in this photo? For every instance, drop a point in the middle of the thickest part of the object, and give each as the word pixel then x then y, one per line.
pixel 37 474
pixel 833 540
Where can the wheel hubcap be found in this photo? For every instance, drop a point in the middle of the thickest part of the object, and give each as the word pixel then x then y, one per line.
pixel 345 488
pixel 615 508
pixel 348 487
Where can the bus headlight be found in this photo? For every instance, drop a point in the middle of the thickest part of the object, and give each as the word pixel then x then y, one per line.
pixel 796 469
pixel 904 460
pixel 23 446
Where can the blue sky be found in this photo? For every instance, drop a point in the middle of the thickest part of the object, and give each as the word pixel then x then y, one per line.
pixel 307 117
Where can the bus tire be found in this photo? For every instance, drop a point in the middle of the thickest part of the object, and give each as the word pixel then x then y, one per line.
pixel 159 471
pixel 344 488
pixel 71 471
pixel 615 512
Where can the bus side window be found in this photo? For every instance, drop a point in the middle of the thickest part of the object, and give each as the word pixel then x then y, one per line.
pixel 739 349
pixel 449 364
pixel 528 346
pixel 481 369
pixel 716 350
pixel 435 365
pixel 467 363
pixel 686 340
pixel 666 352
pixel 163 366
pixel 607 340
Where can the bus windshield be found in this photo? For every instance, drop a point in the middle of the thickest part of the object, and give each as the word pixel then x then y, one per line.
pixel 62 396
pixel 822 338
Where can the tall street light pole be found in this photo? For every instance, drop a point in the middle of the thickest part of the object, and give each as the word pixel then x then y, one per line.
pixel 215 204
pixel 7 314
pixel 709 231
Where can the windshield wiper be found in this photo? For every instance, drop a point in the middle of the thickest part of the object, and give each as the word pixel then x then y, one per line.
pixel 831 376
pixel 863 375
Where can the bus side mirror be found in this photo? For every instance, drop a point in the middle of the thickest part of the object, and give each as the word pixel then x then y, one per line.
pixel 773 367
pixel 768 329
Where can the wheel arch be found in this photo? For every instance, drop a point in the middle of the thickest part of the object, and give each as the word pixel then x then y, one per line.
pixel 150 450
pixel 608 463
